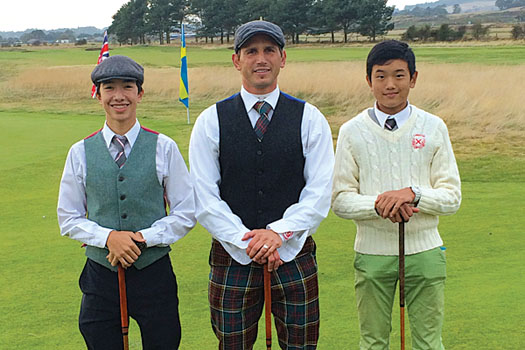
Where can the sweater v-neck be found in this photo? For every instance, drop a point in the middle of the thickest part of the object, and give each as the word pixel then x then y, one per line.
pixel 391 136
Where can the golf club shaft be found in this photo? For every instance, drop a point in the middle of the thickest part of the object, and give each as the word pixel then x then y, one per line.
pixel 402 282
pixel 268 306
pixel 123 306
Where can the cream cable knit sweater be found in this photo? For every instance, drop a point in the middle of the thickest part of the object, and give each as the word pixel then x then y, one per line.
pixel 371 160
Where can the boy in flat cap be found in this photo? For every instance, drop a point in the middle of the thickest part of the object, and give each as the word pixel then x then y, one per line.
pixel 394 162
pixel 261 162
pixel 113 195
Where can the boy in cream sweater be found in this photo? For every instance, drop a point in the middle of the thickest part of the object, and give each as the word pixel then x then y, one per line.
pixel 395 162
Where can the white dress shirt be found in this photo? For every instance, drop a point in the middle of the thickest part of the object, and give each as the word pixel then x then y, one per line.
pixel 300 219
pixel 171 172
pixel 401 117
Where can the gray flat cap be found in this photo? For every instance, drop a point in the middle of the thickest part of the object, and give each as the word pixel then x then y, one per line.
pixel 118 67
pixel 247 30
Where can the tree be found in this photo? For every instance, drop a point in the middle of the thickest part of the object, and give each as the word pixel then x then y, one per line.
pixel 444 33
pixel 229 17
pixel 67 35
pixel 479 31
pixel 163 15
pixel 345 14
pixel 122 25
pixel 425 32
pixel 254 10
pixel 35 34
pixel 411 34
pixel 293 16
pixel 139 14
pixel 457 9
pixel 518 32
pixel 374 18
pixel 206 10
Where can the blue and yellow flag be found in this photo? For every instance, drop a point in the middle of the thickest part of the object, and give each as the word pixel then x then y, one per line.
pixel 183 88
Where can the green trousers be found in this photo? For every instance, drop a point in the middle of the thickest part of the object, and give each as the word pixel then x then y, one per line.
pixel 376 278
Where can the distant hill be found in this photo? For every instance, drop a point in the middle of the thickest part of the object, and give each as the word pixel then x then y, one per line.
pixel 76 31
pixel 466 5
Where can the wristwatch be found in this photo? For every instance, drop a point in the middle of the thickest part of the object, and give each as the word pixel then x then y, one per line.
pixel 417 192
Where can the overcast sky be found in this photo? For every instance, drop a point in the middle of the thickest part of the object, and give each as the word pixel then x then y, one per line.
pixel 19 15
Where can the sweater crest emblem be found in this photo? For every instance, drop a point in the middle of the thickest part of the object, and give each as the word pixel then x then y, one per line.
pixel 418 141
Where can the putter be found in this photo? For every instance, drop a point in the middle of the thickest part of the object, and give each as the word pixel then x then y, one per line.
pixel 402 281
pixel 268 306
pixel 124 321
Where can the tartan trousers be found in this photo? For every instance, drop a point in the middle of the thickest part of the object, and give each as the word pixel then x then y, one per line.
pixel 236 296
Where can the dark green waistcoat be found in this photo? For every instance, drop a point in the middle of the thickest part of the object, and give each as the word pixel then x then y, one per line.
pixel 124 199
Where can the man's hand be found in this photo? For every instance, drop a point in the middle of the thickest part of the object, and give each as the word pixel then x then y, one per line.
pixel 263 245
pixel 274 261
pixel 122 247
pixel 389 203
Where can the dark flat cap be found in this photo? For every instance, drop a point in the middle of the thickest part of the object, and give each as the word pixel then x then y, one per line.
pixel 118 67
pixel 247 30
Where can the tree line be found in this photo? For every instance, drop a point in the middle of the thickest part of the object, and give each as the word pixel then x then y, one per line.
pixel 445 32
pixel 137 20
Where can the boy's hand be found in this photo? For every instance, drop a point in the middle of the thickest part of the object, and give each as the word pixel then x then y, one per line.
pixel 122 247
pixel 404 214
pixel 389 203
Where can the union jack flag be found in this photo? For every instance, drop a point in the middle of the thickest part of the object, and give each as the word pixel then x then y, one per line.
pixel 104 53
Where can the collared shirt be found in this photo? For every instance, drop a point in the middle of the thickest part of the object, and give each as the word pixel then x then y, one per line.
pixel 300 220
pixel 400 117
pixel 171 173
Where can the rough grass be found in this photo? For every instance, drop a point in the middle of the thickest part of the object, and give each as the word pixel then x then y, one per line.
pixel 479 105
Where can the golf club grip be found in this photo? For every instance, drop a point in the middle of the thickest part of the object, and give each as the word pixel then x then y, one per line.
pixel 123 305
pixel 268 305
pixel 402 282
pixel 402 264
pixel 402 328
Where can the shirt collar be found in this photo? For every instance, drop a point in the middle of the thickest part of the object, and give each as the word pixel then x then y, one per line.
pixel 131 135
pixel 401 117
pixel 250 99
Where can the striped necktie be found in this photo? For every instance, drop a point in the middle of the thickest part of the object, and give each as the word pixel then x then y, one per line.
pixel 390 124
pixel 120 142
pixel 263 108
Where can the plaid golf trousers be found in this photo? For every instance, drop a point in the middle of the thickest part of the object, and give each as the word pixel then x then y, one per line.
pixel 236 296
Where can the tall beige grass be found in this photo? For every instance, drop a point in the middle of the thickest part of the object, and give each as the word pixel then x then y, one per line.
pixel 478 102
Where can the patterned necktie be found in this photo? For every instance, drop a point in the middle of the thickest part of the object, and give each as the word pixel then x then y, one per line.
pixel 263 108
pixel 120 142
pixel 390 124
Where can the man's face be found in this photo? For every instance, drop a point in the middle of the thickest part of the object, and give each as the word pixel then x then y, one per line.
pixel 390 83
pixel 259 60
pixel 119 99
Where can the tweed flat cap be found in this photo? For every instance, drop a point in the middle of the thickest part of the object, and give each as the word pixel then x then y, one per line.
pixel 247 30
pixel 118 67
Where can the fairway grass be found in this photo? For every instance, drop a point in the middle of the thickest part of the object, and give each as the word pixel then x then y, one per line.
pixel 45 108
pixel 40 298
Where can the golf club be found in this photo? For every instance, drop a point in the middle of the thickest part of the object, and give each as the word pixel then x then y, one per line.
pixel 124 321
pixel 268 306
pixel 402 281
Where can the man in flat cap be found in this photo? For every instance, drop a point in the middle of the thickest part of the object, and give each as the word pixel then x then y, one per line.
pixel 261 163
pixel 114 193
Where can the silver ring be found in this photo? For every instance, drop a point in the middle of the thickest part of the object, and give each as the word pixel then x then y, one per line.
pixel 265 246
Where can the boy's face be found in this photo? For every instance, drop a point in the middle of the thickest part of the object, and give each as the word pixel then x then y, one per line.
pixel 259 61
pixel 390 83
pixel 119 99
